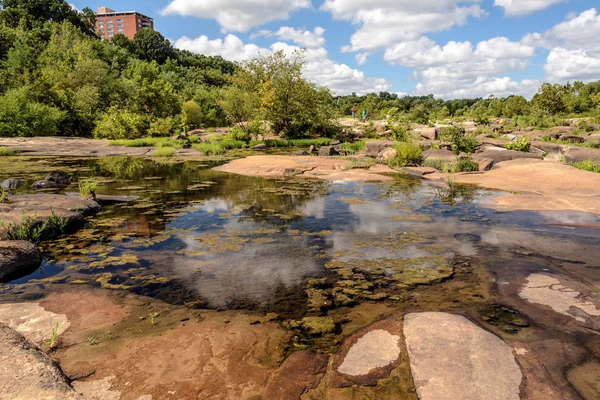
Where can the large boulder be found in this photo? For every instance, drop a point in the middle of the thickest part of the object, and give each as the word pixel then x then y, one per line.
pixel 45 184
pixel 499 154
pixel 17 255
pixel 326 151
pixel 259 147
pixel 59 177
pixel 429 133
pixel 387 154
pixel 28 373
pixel 578 154
pixel 374 147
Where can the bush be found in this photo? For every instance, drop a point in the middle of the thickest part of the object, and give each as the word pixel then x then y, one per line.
pixel 521 144
pixel 238 133
pixel 21 116
pixel 163 152
pixel 408 153
pixel 461 141
pixel 87 188
pixel 162 127
pixel 192 115
pixel 356 146
pixel 467 165
pixel 587 165
pixel 464 165
pixel 119 124
pixel 7 151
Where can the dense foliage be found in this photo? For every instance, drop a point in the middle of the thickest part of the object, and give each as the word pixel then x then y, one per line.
pixel 57 77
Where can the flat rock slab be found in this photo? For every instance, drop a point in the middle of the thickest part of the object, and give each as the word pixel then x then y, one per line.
pixel 18 255
pixel 28 373
pixel 452 358
pixel 543 186
pixel 549 291
pixel 369 355
pixel 32 321
pixel 499 154
pixel 328 169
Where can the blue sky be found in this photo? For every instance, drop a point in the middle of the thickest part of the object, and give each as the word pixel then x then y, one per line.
pixel 450 48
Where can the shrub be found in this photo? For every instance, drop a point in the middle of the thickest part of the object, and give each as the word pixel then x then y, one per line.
pixel 20 115
pixel 162 127
pixel 464 165
pixel 461 141
pixel 209 148
pixel 149 142
pixel 408 153
pixel 587 165
pixel 467 165
pixel 119 124
pixel 6 151
pixel 356 146
pixel 163 152
pixel 58 221
pixel 521 144
pixel 192 115
pixel 357 163
pixel 87 188
pixel 29 229
pixel 238 133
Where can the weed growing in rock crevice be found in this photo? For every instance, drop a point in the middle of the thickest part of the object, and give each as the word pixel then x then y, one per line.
pixel 28 229
pixel 87 188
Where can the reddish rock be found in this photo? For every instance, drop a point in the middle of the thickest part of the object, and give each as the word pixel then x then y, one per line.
pixel 301 372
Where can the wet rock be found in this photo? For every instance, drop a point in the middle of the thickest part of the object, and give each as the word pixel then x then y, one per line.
pixel 60 178
pixel 419 171
pixel 549 291
pixel 326 151
pixel 44 184
pixel 301 372
pixel 27 373
pixel 374 147
pixel 376 349
pixel 452 358
pixel 16 255
pixel 32 321
pixel 387 154
pixel 11 184
pixel 259 147
pixel 318 326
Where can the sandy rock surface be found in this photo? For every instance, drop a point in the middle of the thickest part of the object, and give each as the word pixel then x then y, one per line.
pixel 299 167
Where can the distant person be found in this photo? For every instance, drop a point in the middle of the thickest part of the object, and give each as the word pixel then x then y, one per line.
pixel 353 112
pixel 364 115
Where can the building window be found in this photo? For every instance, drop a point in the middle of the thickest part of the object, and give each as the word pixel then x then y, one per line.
pixel 111 34
pixel 120 20
pixel 109 21
pixel 139 20
pixel 119 24
pixel 121 29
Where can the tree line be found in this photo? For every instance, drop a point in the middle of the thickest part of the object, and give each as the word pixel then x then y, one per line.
pixel 57 77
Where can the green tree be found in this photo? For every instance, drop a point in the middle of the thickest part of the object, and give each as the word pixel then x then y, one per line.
pixel 515 106
pixel 550 99
pixel 150 45
pixel 192 115
pixel 21 115
pixel 37 12
pixel 119 124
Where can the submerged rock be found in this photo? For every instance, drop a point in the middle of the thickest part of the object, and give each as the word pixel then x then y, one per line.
pixel 11 184
pixel 44 184
pixel 17 255
pixel 318 326
pixel 452 358
pixel 27 373
pixel 376 349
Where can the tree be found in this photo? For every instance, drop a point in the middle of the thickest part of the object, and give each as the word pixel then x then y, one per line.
pixel 192 115
pixel 150 45
pixel 515 106
pixel 37 12
pixel 550 99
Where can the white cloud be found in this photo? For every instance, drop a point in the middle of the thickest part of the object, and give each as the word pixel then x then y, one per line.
pixel 231 48
pixel 361 58
pixel 574 48
pixel 236 15
pixel 516 8
pixel 382 23
pixel 306 39
pixel 481 86
pixel 458 68
pixel 319 68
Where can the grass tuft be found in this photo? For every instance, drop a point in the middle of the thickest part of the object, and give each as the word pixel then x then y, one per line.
pixel 163 152
pixel 7 151
pixel 587 165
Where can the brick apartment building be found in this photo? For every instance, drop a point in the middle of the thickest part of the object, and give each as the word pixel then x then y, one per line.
pixel 109 22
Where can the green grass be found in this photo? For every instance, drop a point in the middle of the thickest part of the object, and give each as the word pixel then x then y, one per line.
pixel 521 144
pixel 293 142
pixel 548 138
pixel 587 165
pixel 356 163
pixel 148 142
pixel 163 152
pixel 58 221
pixel 2 195
pixel 356 146
pixel 7 151
pixel 86 188
pixel 464 165
pixel 28 229
pixel 219 147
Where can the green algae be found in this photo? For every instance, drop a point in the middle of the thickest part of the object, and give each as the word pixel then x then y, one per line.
pixel 105 281
pixel 318 326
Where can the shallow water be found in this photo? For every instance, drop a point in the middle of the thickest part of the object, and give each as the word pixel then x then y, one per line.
pixel 220 241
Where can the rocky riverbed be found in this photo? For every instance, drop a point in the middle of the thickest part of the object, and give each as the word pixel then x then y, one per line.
pixel 190 282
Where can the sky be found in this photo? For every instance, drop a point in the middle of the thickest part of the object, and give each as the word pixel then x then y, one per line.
pixel 449 48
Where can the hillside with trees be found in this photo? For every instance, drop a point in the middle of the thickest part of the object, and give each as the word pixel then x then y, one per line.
pixel 58 78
